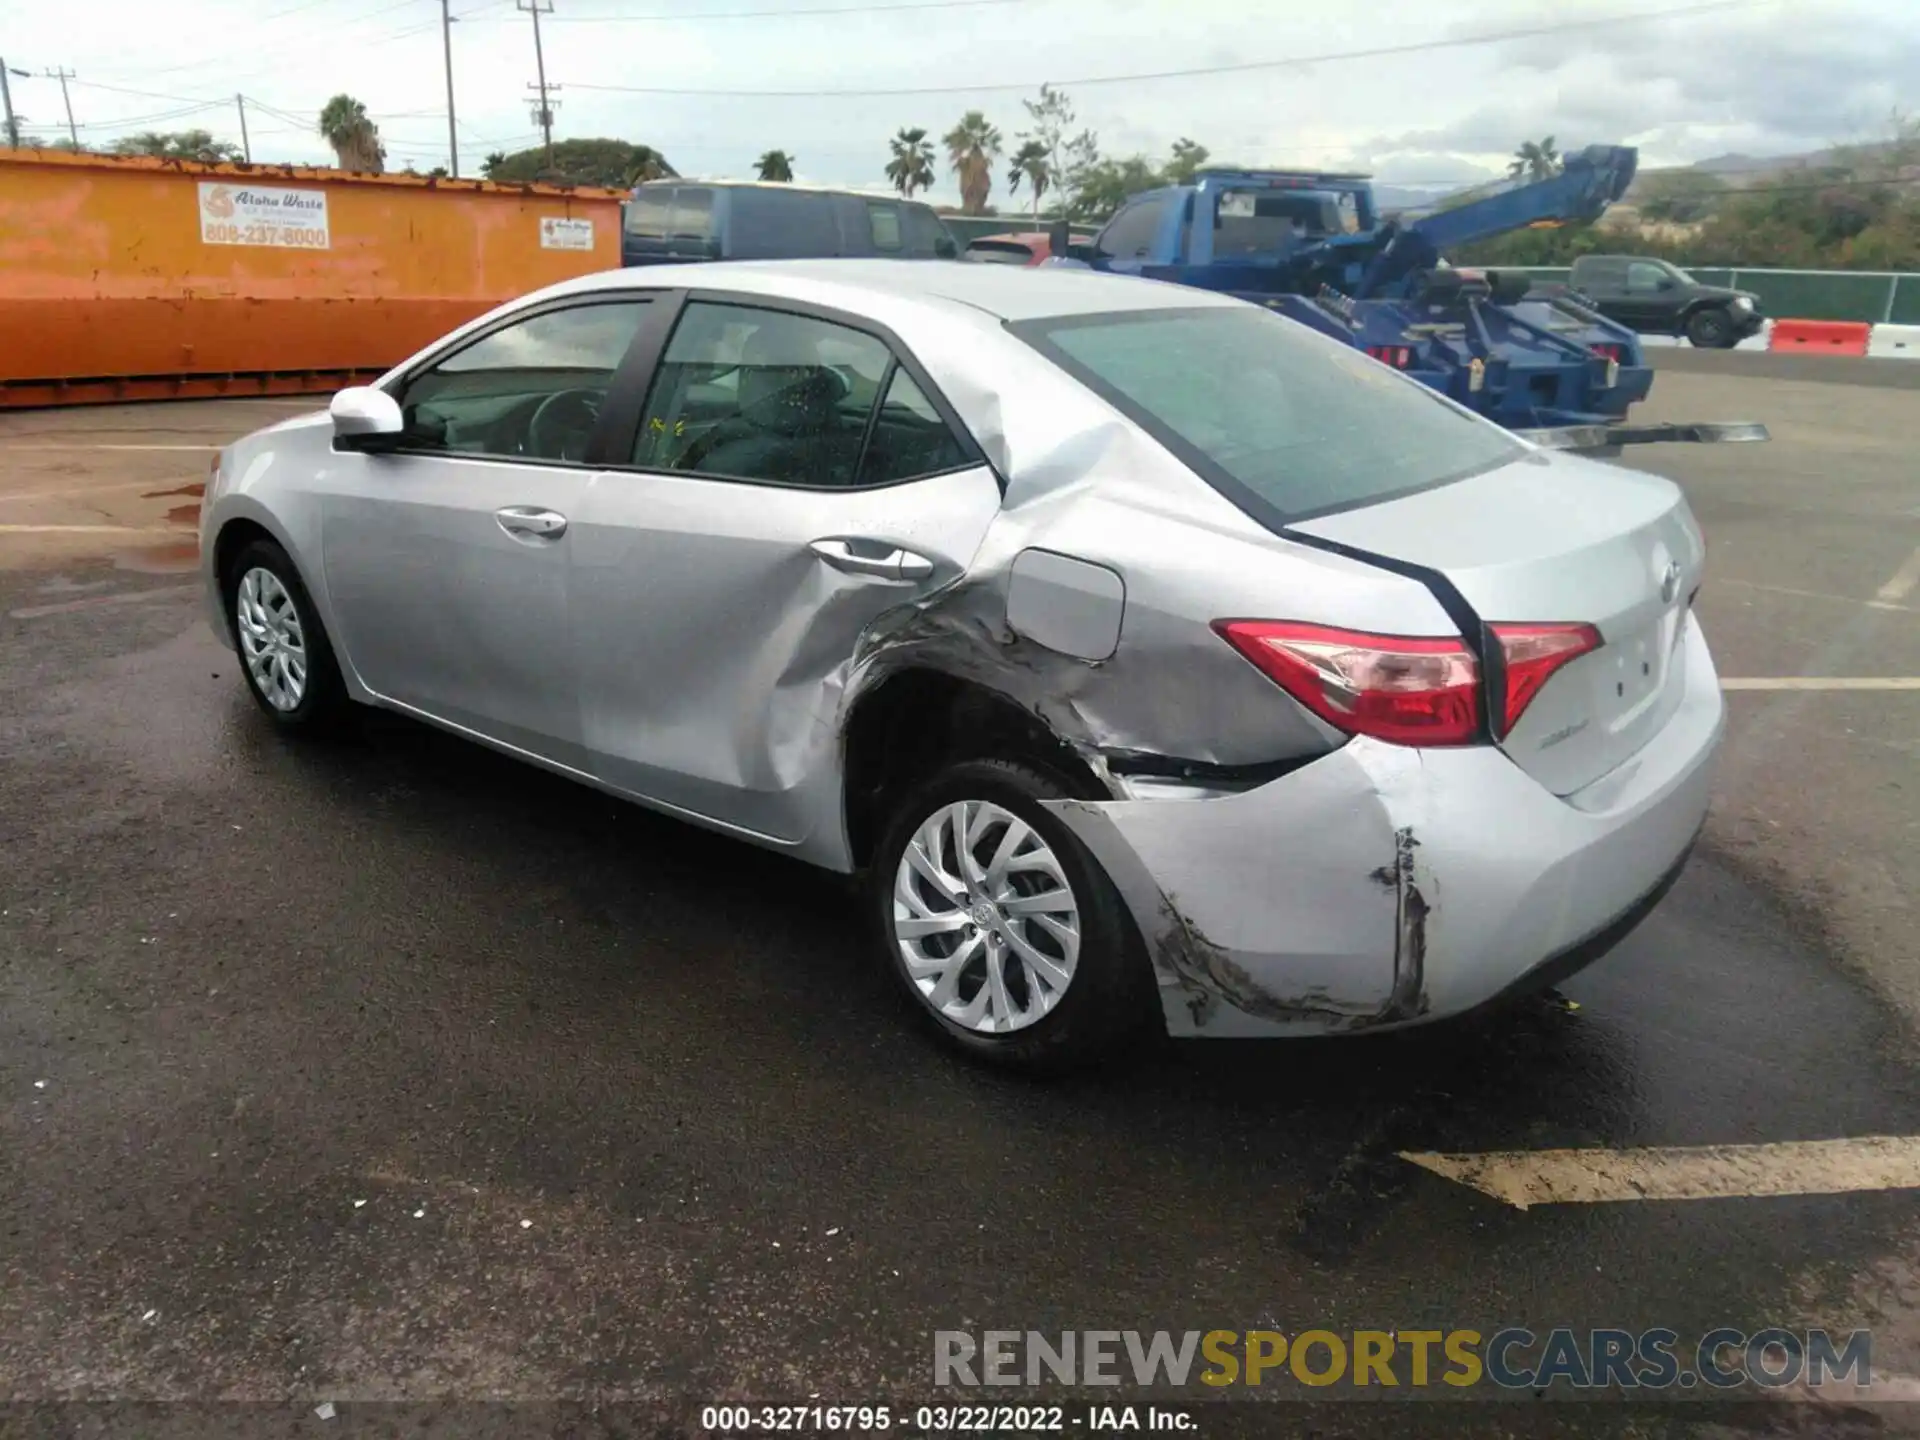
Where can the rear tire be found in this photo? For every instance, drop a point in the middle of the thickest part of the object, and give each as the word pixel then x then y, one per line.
pixel 1711 329
pixel 286 659
pixel 1073 985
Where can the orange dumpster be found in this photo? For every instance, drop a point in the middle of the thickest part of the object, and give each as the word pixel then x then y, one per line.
pixel 135 278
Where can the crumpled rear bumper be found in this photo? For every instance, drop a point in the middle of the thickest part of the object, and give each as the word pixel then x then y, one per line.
pixel 1380 886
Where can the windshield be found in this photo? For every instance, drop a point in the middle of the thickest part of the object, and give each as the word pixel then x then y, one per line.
pixel 1268 411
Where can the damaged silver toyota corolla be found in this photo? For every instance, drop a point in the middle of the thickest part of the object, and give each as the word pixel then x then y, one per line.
pixel 1154 660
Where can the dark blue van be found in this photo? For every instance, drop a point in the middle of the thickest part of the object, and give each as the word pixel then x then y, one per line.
pixel 676 220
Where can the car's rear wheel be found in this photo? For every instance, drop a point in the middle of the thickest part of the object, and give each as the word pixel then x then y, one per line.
pixel 1710 329
pixel 1002 928
pixel 285 656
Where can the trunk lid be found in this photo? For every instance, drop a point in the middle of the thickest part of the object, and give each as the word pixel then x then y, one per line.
pixel 1557 539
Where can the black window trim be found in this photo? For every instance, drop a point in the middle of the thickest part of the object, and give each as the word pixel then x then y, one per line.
pixel 396 385
pixel 1256 506
pixel 620 419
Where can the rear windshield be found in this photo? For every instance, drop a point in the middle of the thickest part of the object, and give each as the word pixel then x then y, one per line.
pixel 1268 411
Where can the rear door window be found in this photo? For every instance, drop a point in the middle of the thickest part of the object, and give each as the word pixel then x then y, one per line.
pixel 883 221
pixel 754 394
pixel 649 213
pixel 1284 422
pixel 769 223
pixel 692 225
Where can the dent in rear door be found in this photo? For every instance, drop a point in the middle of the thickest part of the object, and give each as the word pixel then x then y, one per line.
pixel 714 644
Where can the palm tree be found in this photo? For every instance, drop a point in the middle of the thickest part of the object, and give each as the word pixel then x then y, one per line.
pixel 775 165
pixel 1030 163
pixel 972 147
pixel 1535 161
pixel 911 167
pixel 355 139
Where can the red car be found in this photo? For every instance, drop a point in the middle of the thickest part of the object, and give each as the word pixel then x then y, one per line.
pixel 1028 247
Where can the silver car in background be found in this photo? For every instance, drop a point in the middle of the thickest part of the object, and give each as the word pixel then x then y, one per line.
pixel 1156 663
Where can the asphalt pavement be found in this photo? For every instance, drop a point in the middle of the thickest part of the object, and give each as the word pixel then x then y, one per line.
pixel 387 1070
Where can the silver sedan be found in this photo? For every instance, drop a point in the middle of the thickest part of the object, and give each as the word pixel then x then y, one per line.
pixel 1156 663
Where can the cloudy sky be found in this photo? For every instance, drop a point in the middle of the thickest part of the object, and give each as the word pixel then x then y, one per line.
pixel 1682 80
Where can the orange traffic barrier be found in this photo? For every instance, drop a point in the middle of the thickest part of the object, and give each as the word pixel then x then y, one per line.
pixel 139 278
pixel 1830 337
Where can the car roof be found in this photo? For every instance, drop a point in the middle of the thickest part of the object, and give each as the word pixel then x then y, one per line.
pixel 1000 291
pixel 784 187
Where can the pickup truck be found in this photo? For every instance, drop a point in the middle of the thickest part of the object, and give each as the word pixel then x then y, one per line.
pixel 1655 298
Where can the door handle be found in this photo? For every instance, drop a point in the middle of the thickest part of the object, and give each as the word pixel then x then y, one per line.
pixel 890 564
pixel 531 522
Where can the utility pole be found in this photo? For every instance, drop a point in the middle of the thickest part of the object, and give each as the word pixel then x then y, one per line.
pixel 73 131
pixel 6 98
pixel 446 36
pixel 246 145
pixel 545 113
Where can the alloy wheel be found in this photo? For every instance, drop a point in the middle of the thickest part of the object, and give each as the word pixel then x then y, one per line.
pixel 272 642
pixel 984 918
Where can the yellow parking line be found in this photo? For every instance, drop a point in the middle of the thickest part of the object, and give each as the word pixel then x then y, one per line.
pixel 1820 682
pixel 1523 1178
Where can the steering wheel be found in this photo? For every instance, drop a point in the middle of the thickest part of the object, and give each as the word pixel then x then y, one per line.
pixel 562 424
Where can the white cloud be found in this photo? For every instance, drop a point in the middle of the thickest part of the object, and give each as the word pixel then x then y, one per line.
pixel 1770 78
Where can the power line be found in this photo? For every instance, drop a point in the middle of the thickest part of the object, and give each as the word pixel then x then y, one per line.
pixel 1244 67
pixel 789 14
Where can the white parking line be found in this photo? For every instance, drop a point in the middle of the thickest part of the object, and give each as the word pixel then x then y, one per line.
pixel 1820 682
pixel 175 530
pixel 1903 581
pixel 1874 604
pixel 94 602
pixel 212 445
pixel 1524 1178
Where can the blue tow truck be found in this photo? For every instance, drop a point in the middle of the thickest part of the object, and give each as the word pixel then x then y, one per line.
pixel 1313 247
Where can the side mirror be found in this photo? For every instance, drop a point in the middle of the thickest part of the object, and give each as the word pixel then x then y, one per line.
pixel 1059 238
pixel 366 419
pixel 1668 283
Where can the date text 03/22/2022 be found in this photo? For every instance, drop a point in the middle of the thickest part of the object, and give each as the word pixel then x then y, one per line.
pixel 944 1419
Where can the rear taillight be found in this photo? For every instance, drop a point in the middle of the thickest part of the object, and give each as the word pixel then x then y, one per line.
pixel 1531 654
pixel 1608 352
pixel 1412 690
pixel 1398 356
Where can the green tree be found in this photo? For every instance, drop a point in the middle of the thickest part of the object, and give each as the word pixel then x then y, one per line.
pixel 178 145
pixel 972 147
pixel 1188 157
pixel 775 165
pixel 1031 167
pixel 1678 197
pixel 1535 160
pixel 1069 154
pixel 910 167
pixel 612 164
pixel 346 126
pixel 1106 185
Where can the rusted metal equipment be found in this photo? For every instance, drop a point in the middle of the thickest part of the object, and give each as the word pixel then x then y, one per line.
pixel 137 278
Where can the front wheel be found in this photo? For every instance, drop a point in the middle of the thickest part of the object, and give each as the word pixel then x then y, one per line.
pixel 284 652
pixel 1001 927
pixel 1711 330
